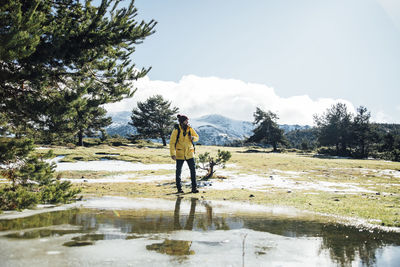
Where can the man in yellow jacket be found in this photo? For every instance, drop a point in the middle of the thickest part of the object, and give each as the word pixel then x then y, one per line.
pixel 182 148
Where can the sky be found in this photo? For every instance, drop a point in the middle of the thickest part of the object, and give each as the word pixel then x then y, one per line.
pixel 293 57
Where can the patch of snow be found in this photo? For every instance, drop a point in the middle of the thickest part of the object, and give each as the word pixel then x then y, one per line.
pixel 291 173
pixel 393 173
pixel 386 172
pixel 111 166
pixel 97 180
pixel 156 178
pixel 256 182
pixel 53 252
pixel 124 178
pixel 55 160
pixel 13 214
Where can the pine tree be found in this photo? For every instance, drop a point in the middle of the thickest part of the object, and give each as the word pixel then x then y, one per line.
pixel 266 129
pixel 362 132
pixel 46 46
pixel 31 177
pixel 79 114
pixel 154 118
pixel 334 128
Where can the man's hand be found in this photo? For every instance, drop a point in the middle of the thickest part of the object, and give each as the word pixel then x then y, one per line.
pixel 173 157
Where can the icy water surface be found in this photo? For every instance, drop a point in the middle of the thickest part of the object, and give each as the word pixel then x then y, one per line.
pixel 188 232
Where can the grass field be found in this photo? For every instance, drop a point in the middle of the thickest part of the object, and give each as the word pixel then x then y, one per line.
pixel 366 189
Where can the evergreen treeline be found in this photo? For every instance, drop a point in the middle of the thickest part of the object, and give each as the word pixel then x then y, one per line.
pixel 339 133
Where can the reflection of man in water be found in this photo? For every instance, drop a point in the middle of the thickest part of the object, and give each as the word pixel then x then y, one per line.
pixel 189 222
pixel 177 247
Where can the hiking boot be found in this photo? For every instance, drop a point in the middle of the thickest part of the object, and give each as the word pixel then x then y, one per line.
pixel 180 191
pixel 194 191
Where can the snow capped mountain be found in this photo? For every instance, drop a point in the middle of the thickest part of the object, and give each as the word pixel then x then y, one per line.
pixel 120 124
pixel 213 129
pixel 219 130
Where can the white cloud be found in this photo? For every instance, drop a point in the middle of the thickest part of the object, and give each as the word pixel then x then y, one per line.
pixel 197 96
pixel 381 117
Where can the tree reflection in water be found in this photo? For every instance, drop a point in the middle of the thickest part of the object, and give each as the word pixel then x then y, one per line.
pixel 177 247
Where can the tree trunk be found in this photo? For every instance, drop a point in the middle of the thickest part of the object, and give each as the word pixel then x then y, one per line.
pixel 80 138
pixel 274 146
pixel 210 171
pixel 363 149
pixel 164 142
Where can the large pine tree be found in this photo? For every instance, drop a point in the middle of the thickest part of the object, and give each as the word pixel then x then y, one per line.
pixel 46 47
pixel 334 128
pixel 266 129
pixel 154 118
pixel 46 44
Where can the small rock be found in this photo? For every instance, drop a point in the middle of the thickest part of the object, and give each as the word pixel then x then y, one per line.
pixel 378 194
pixel 85 181
pixel 336 199
pixel 289 191
pixel 251 195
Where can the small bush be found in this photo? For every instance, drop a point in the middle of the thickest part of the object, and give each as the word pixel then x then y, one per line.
pixel 17 198
pixel 57 192
pixel 208 162
pixel 327 151
pixel 31 177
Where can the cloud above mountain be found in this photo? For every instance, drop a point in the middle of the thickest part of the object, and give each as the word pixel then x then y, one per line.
pixel 197 96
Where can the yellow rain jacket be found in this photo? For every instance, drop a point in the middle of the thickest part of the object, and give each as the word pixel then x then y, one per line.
pixel 184 149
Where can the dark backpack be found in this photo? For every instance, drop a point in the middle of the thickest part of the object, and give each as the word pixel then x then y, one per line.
pixel 176 126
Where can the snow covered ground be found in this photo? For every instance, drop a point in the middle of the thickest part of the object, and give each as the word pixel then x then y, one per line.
pixel 272 179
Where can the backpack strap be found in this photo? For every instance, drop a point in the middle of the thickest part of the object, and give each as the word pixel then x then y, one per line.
pixel 190 136
pixel 176 126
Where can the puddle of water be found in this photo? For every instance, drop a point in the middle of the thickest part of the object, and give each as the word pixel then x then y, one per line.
pixel 188 232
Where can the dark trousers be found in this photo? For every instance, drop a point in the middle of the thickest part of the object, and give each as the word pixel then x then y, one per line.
pixel 191 164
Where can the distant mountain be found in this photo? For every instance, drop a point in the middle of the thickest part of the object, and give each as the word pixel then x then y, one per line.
pixel 213 129
pixel 219 130
pixel 287 128
pixel 120 124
